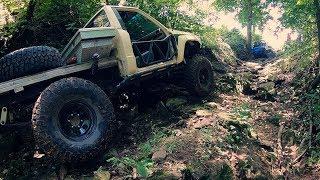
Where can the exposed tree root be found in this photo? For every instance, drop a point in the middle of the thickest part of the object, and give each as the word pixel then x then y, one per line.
pixel 304 152
pixel 279 144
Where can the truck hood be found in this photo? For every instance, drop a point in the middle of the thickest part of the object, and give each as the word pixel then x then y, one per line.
pixel 177 33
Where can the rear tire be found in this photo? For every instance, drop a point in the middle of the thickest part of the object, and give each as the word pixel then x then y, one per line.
pixel 199 76
pixel 73 120
pixel 28 61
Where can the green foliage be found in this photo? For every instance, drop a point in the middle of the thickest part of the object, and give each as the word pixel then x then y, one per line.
pixel 146 148
pixel 171 147
pixel 52 23
pixel 113 2
pixel 141 161
pixel 314 156
pixel 313 106
pixel 225 173
pixel 244 166
pixel 238 132
pixel 207 134
pixel 299 15
pixel 142 166
pixel 166 11
pixel 242 112
pixel 14 6
pixel 311 111
pixel 250 13
pixel 17 10
pixel 259 9
pixel 77 11
pixel 199 169
pixel 236 41
pixel 300 55
pixel 227 83
pixel 56 29
pixel 275 119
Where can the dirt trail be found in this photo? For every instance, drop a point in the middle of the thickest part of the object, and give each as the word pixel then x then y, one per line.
pixel 234 135
pixel 225 136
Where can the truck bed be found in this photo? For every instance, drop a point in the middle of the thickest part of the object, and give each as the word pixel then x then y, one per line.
pixel 17 85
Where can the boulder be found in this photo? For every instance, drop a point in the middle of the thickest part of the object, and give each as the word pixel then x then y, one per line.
pixel 177 132
pixel 266 92
pixel 213 105
pixel 268 86
pixel 204 122
pixel 159 155
pixel 102 174
pixel 203 113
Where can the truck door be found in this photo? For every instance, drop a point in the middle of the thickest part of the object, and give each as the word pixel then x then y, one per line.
pixel 150 43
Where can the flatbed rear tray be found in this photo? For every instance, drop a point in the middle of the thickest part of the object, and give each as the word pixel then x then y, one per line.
pixel 17 85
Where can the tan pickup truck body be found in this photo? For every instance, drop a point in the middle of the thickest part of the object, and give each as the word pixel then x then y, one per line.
pixel 119 45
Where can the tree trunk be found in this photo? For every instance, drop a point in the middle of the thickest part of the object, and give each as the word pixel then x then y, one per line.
pixel 24 36
pixel 249 27
pixel 30 10
pixel 28 34
pixel 314 84
pixel 317 8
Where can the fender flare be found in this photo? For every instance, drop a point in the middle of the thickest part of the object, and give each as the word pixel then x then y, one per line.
pixel 183 41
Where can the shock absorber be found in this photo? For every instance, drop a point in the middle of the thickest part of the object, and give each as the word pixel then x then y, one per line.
pixel 4 115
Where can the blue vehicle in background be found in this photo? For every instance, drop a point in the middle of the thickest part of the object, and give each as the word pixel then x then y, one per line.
pixel 262 50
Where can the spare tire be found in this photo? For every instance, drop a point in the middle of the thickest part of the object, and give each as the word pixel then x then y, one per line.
pixel 28 61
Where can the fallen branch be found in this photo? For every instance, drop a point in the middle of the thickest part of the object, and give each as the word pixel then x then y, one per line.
pixel 297 159
pixel 279 143
pixel 302 142
pixel 301 155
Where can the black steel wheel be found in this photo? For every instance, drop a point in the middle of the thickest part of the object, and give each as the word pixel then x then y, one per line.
pixel 77 120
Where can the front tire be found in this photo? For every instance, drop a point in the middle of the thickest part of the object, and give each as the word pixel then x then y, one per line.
pixel 199 76
pixel 73 120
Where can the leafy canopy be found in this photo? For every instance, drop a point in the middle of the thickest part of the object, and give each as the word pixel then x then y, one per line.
pixel 241 7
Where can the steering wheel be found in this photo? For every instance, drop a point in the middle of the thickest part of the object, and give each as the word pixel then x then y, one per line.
pixel 150 34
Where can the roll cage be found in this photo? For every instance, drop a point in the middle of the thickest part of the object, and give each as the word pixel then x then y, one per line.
pixel 151 42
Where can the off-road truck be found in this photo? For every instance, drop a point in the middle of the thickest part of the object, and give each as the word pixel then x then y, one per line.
pixel 70 97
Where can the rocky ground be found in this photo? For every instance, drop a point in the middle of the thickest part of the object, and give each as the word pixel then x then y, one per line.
pixel 242 133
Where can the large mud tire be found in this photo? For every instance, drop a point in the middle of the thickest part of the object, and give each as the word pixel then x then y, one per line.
pixel 54 135
pixel 199 78
pixel 28 61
